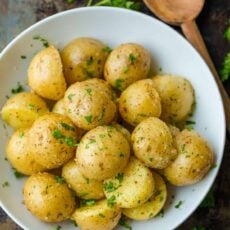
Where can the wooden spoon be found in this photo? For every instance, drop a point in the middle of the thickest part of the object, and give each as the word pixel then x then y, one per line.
pixel 183 13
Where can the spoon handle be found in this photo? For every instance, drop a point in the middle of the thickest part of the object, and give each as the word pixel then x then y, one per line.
pixel 193 34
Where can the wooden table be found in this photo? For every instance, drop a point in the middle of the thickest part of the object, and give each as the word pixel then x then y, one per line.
pixel 16 15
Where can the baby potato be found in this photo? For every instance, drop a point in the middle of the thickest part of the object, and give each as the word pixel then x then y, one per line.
pixel 177 97
pixel 193 161
pixel 53 140
pixel 84 187
pixel 88 106
pixel 18 155
pixel 153 143
pixel 102 153
pixel 100 216
pixel 45 75
pixel 124 131
pixel 126 64
pixel 132 187
pixel 84 58
pixel 21 110
pixel 139 101
pixel 59 107
pixel 48 197
pixel 153 206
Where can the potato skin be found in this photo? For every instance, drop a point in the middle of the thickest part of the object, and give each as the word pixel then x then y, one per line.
pixel 193 162
pixel 102 153
pixel 18 155
pixel 45 75
pixel 153 143
pixel 88 106
pixel 48 140
pixel 21 110
pixel 84 187
pixel 139 101
pixel 48 199
pixel 153 206
pixel 124 131
pixel 98 217
pixel 126 64
pixel 132 187
pixel 83 58
pixel 59 107
pixel 177 97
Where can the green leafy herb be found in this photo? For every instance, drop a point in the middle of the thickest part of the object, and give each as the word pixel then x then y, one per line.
pixel 209 200
pixel 33 107
pixel 227 32
pixel 120 177
pixel 198 228
pixel 57 134
pixel 70 97
pixel 5 184
pixel 101 215
pixel 190 122
pixel 118 84
pixel 123 223
pixel 90 61
pixel 178 204
pixel 182 148
pixel 132 59
pixel 59 179
pixel 58 227
pixel 89 91
pixel 43 40
pixel 21 135
pixel 213 166
pixel 70 1
pixel 225 69
pixel 90 202
pixel 89 118
pixel 18 89
pixel 67 127
pixel 109 186
pixel 68 140
pixel 17 174
pixel 111 201
pixel 23 57
pixel 161 213
pixel 90 74
pixel 91 141
pixel 126 70
pixel 107 49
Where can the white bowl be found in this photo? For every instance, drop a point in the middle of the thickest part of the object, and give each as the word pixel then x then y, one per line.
pixel 114 26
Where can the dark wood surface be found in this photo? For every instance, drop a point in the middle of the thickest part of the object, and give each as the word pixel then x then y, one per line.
pixel 16 15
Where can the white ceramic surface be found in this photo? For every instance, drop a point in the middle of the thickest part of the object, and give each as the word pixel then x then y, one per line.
pixel 114 26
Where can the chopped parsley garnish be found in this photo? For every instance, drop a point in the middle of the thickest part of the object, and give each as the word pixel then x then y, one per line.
pixel 90 74
pixel 70 1
pixel 68 140
pixel 161 213
pixel 17 174
pixel 109 186
pixel 67 127
pixel 123 223
pixel 89 118
pixel 89 91
pixel 209 200
pixel 5 184
pixel 101 215
pixel 21 135
pixel 58 227
pixel 18 89
pixel 178 204
pixel 90 61
pixel 118 84
pixel 225 69
pixel 182 148
pixel 107 49
pixel 126 70
pixel 120 177
pixel 227 32
pixel 33 107
pixel 158 192
pixel 23 57
pixel 57 134
pixel 90 202
pixel 70 97
pixel 91 141
pixel 59 179
pixel 43 40
pixel 132 59
pixel 190 122
pixel 213 166
pixel 111 201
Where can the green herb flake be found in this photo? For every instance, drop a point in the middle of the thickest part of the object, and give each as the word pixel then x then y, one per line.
pixel 213 166
pixel 209 200
pixel 182 148
pixel 70 142
pixel 17 174
pixel 161 213
pixel 132 59
pixel 158 192
pixel 57 134
pixel 101 215
pixel 120 177
pixel 89 118
pixel 88 91
pixel 123 223
pixel 58 227
pixel 107 49
pixel 190 122
pixel 21 135
pixel 90 202
pixel 43 40
pixel 198 228
pixel 225 69
pixel 67 127
pixel 17 89
pixel 178 204
pixel 109 187
pixel 111 201
pixel 126 70
pixel 70 1
pixel 90 61
pixel 227 32
pixel 118 84
pixel 5 184
pixel 23 57
pixel 70 97
pixel 59 179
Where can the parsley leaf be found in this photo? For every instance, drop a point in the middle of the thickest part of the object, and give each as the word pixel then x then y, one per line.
pixel 107 49
pixel 17 174
pixel 5 184
pixel 89 202
pixel 178 204
pixel 17 89
pixel 132 59
pixel 225 69
pixel 120 177
pixel 111 201
pixel 227 32
pixel 209 200
pixel 123 223
pixel 118 84
pixel 58 227
pixel 89 118
pixel 67 127
pixel 109 186
pixel 23 57
pixel 90 61
pixel 59 179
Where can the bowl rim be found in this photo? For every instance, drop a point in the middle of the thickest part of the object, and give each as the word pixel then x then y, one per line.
pixel 148 17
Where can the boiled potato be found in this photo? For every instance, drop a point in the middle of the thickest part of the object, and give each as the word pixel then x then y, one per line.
pixel 45 75
pixel 18 155
pixel 88 106
pixel 126 64
pixel 177 97
pixel 153 206
pixel 174 130
pixel 193 161
pixel 59 107
pixel 100 216
pixel 84 187
pixel 53 140
pixel 139 101
pixel 102 153
pixel 132 187
pixel 21 110
pixel 153 143
pixel 124 131
pixel 48 198
pixel 83 58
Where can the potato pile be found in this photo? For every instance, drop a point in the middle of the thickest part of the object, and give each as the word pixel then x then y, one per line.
pixel 98 152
